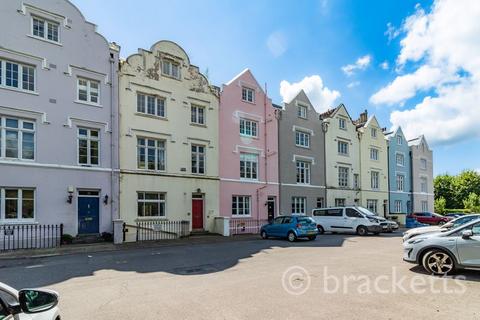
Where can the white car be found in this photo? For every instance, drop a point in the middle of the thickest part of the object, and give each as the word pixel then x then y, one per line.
pixel 28 304
pixel 407 235
pixel 346 219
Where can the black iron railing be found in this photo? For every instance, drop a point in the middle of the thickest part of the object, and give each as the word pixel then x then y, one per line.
pixel 30 236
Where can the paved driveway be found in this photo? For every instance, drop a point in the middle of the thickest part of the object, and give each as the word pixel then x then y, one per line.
pixel 334 277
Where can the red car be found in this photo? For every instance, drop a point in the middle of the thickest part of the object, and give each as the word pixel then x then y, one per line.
pixel 430 218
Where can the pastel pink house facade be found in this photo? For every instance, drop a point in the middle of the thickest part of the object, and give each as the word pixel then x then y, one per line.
pixel 248 139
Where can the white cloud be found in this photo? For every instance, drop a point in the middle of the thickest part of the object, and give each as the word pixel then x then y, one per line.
pixel 384 65
pixel 446 54
pixel 321 97
pixel 361 64
pixel 277 43
pixel 353 84
pixel 391 32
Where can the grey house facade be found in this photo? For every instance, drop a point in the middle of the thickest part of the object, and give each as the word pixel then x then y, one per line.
pixel 301 157
pixel 58 118
pixel 422 175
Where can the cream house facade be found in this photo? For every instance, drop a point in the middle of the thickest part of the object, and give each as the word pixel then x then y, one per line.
pixel 373 165
pixel 168 139
pixel 342 162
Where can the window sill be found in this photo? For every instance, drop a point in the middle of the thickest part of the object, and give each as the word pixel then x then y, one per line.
pixel 235 216
pixel 44 40
pixel 198 125
pixel 88 165
pixel 88 103
pixel 170 77
pixel 249 102
pixel 249 137
pixel 152 116
pixel 343 155
pixel 303 184
pixel 152 171
pixel 35 93
pixel 303 147
pixel 246 179
pixel 18 222
pixel 152 218
pixel 17 160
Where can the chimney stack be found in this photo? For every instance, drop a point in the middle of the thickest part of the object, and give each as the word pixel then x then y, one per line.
pixel 364 116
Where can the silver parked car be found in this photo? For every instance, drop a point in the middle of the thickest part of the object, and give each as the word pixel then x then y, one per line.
pixel 407 235
pixel 442 252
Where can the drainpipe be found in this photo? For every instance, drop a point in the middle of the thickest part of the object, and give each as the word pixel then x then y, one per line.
pixel 113 141
pixel 265 151
pixel 278 117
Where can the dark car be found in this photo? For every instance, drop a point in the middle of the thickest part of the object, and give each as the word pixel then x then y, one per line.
pixel 430 218
pixel 290 227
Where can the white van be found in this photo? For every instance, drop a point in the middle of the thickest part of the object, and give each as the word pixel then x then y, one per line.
pixel 345 219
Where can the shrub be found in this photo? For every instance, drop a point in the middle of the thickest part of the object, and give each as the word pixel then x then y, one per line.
pixel 67 238
pixel 107 236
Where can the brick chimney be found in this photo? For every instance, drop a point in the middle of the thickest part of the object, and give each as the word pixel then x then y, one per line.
pixel 364 116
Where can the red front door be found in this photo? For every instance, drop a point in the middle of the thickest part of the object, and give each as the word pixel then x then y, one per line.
pixel 197 213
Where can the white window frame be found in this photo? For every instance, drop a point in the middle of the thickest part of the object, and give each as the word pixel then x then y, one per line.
pixel 375 180
pixel 342 123
pixel 249 161
pixel 199 157
pixel 20 200
pixel 197 117
pixel 170 69
pixel 356 181
pixel 398 206
pixel 320 202
pixel 400 156
pixel 303 172
pixel 424 204
pixel 248 95
pixel 400 181
pixel 302 139
pixel 89 140
pixel 159 146
pixel 248 128
pixel 343 177
pixel 340 202
pixel 372 205
pixel 21 131
pixel 143 105
pixel 399 140
pixel 241 211
pixel 341 150
pixel 46 24
pixel 423 185
pixel 423 163
pixel 21 69
pixel 299 205
pixel 373 133
pixel 374 154
pixel 89 91
pixel 302 111
pixel 161 202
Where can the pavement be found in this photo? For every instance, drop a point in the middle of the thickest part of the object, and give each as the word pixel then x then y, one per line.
pixel 333 277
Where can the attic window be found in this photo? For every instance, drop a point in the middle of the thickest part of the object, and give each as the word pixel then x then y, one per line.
pixel 342 123
pixel 399 140
pixel 248 95
pixel 373 132
pixel 171 69
pixel 302 112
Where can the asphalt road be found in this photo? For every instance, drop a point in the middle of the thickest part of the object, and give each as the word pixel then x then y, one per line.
pixel 334 277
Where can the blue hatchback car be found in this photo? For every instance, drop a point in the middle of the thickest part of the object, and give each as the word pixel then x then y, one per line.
pixel 290 227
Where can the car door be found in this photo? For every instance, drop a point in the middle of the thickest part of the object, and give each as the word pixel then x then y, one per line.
pixel 274 228
pixel 6 299
pixel 287 224
pixel 335 219
pixel 469 249
pixel 352 219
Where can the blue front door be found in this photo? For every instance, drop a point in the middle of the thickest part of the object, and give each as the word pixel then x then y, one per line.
pixel 88 215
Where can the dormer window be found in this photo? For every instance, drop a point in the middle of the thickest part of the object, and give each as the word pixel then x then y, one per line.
pixel 248 95
pixel 342 123
pixel 171 69
pixel 45 29
pixel 302 112
pixel 373 132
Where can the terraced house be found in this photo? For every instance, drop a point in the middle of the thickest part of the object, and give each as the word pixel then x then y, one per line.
pixel 58 115
pixel 373 165
pixel 168 139
pixel 399 174
pixel 301 157
pixel 248 154
pixel 342 159
pixel 422 175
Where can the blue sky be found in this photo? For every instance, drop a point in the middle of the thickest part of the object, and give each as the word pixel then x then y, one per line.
pixel 292 40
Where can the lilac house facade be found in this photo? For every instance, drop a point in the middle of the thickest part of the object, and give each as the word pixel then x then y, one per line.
pixel 58 118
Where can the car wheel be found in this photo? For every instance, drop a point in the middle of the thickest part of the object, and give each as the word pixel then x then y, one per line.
pixel 264 234
pixel 320 230
pixel 311 238
pixel 291 236
pixel 441 223
pixel 438 262
pixel 362 231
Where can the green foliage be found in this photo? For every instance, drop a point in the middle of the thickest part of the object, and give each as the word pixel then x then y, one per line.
pixel 447 211
pixel 67 238
pixel 472 202
pixel 456 189
pixel 440 204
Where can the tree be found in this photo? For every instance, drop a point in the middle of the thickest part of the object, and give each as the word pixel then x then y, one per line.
pixel 440 205
pixel 444 188
pixel 466 183
pixel 472 202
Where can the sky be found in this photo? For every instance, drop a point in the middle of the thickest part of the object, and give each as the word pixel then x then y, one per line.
pixel 414 64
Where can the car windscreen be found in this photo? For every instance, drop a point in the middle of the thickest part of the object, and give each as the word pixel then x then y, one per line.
pixel 305 220
pixel 366 211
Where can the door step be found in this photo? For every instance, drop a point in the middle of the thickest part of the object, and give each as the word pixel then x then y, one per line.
pixel 87 238
pixel 199 232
